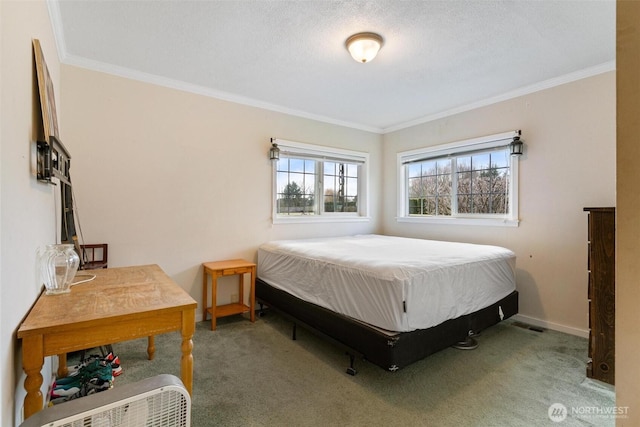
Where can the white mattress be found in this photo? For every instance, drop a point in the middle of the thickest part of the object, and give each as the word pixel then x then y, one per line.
pixel 393 283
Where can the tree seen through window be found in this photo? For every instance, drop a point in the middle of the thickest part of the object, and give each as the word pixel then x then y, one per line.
pixel 470 184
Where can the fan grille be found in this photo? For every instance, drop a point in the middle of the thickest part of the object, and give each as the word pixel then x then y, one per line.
pixel 160 401
pixel 166 409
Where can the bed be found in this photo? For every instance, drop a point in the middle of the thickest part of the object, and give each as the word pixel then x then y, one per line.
pixel 390 300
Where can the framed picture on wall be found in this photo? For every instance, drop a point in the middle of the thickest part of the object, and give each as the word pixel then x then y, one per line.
pixel 47 97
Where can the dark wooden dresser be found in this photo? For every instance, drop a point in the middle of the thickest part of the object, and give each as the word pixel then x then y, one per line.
pixel 601 293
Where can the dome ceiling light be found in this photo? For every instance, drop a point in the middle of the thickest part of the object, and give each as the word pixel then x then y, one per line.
pixel 363 47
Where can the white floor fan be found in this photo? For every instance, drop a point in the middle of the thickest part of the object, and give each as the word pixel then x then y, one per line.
pixel 160 401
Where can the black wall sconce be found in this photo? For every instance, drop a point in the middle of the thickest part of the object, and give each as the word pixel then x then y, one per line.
pixel 516 146
pixel 274 151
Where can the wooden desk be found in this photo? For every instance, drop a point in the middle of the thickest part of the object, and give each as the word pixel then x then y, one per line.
pixel 120 304
pixel 228 268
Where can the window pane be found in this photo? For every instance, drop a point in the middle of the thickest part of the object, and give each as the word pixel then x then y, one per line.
pixel 329 168
pixel 500 159
pixel 464 203
pixel 414 169
pixel 444 205
pixel 429 206
pixel 480 161
pixel 443 166
pixel 500 181
pixel 415 187
pixel 295 187
pixel 282 181
pixel 463 164
pixel 498 204
pixel 329 201
pixel 480 181
pixel 415 206
pixel 329 184
pixel 430 187
pixel 296 165
pixel 297 178
pixel 464 182
pixel 340 190
pixel 351 204
pixel 310 166
pixel 444 186
pixel 429 168
pixel 480 204
pixel 352 187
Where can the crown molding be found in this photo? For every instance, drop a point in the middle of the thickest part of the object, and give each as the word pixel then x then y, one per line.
pixel 536 87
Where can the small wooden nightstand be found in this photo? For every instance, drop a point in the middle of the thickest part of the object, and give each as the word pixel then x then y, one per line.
pixel 228 268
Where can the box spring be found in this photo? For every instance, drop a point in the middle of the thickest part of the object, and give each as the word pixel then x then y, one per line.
pixel 389 350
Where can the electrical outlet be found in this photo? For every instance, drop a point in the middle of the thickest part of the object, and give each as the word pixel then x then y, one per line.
pixel 234 298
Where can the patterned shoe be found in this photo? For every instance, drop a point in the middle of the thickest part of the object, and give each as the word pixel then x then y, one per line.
pixel 116 369
pixel 64 392
pixel 94 385
pixel 73 369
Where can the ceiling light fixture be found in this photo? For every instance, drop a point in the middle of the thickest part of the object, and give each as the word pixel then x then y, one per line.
pixel 363 47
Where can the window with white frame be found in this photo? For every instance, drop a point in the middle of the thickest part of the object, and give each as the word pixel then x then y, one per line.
pixel 467 182
pixel 319 183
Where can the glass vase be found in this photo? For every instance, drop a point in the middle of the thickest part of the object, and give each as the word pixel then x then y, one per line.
pixel 58 265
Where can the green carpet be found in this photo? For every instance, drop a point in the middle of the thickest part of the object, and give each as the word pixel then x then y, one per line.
pixel 254 375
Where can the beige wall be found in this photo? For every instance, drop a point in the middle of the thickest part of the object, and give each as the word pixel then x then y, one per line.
pixel 177 179
pixel 628 206
pixel 26 206
pixel 569 163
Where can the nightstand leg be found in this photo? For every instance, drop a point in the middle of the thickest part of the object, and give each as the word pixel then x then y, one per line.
pixel 241 289
pixel 204 295
pixel 252 295
pixel 214 291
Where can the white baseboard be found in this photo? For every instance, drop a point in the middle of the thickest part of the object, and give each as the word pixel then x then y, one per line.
pixel 584 333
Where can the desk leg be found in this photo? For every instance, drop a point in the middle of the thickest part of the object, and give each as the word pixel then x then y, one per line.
pixel 32 361
pixel 62 365
pixel 186 362
pixel 151 347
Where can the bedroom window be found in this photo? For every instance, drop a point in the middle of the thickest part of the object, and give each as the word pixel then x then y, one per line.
pixel 314 183
pixel 467 182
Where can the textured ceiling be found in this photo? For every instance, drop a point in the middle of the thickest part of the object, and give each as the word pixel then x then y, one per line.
pixel 438 57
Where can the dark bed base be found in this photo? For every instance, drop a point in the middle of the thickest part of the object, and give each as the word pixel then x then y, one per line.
pixel 390 352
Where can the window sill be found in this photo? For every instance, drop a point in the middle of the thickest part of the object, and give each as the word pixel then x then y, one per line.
pixel 484 222
pixel 320 218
